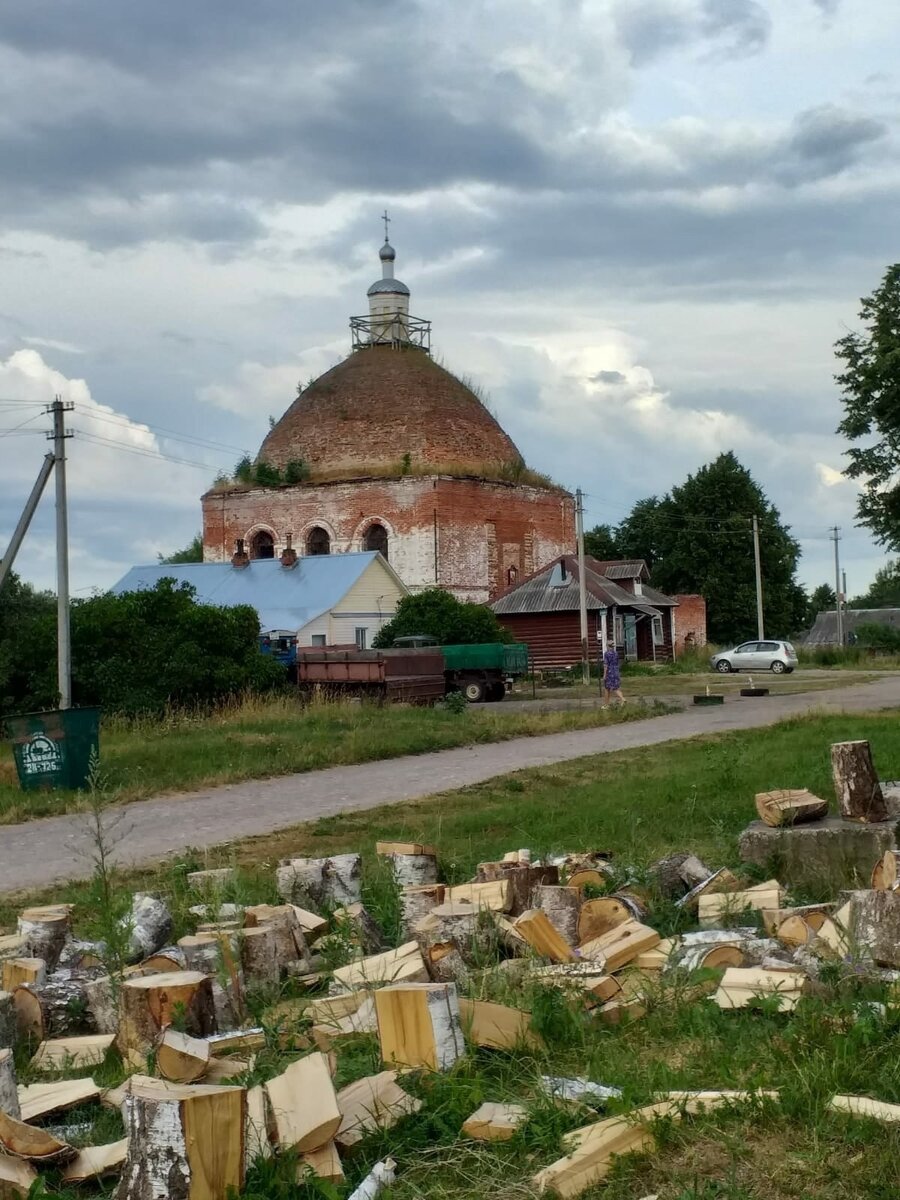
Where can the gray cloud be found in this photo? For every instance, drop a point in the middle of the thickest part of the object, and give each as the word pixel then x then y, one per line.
pixel 826 140
pixel 827 7
pixel 648 28
pixel 608 377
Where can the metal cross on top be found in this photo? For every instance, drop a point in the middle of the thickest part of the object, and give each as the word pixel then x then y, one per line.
pixel 387 221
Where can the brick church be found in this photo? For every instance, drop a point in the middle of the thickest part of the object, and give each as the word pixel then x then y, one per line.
pixel 390 451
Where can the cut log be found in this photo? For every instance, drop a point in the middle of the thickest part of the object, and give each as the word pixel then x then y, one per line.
pixel 582 979
pixel 454 937
pixel 707 957
pixel 170 958
pixel 11 946
pixel 789 806
pixel 102 997
pixel 495 1122
pixel 37 1145
pixel 417 902
pixel 357 923
pixel 874 924
pixel 151 1003
pixel 536 929
pixel 856 783
pixel 58 1007
pixel 496 1026
pixel 419 1025
pixel 325 1163
pixel 224 1070
pixel 863 1106
pixel 886 872
pixel 376 1102
pixel 288 941
pixel 72 1053
pixel 833 937
pixel 320 882
pixel 720 881
pixel 212 879
pixel 412 864
pixel 95 1162
pixel 16 1177
pixel 586 877
pixel 600 916
pixel 149 924
pixel 711 909
pixel 184 1142
pixel 405 848
pixel 522 879
pixel 361 1020
pixel 234 1040
pixel 17 971
pixel 495 896
pixel 311 925
pixel 620 946
pixel 181 1058
pixel 39 1100
pixel 9 1096
pixel 742 987
pixel 381 1176
pixel 562 906
pixel 45 931
pixel 257 1141
pixel 305 1113
pixel 403 965
pixel 8 1025
pixel 794 931
pixel 591 1161
pixel 578 1091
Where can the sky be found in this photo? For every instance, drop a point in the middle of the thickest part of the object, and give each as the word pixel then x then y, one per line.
pixel 640 225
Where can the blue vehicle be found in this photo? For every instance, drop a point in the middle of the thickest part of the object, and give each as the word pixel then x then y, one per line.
pixel 280 644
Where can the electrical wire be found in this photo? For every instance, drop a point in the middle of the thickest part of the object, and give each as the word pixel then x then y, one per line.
pixel 157 455
pixel 191 439
pixel 27 421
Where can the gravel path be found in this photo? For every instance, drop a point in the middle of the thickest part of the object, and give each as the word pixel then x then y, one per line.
pixel 39 853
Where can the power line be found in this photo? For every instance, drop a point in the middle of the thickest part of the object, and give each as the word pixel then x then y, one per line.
pixel 113 419
pixel 158 455
pixel 21 424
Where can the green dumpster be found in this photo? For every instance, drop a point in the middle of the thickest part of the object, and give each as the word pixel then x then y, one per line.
pixel 55 749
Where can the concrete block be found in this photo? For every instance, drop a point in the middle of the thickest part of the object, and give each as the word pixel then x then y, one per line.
pixel 820 857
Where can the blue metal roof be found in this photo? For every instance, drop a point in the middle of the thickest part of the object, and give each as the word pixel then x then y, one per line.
pixel 284 597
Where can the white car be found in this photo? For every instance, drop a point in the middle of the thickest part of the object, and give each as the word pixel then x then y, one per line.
pixel 778 657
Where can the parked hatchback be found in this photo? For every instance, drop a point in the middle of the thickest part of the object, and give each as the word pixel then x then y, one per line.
pixel 779 657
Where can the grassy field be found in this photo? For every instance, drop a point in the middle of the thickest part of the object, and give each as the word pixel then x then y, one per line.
pixel 639 804
pixel 662 684
pixel 261 738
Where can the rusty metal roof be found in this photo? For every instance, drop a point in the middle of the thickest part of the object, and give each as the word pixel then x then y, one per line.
pixel 546 591
pixel 825 633
pixel 621 568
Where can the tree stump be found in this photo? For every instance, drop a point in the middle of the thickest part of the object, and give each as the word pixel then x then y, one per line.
pixel 416 903
pixel 856 783
pixel 562 906
pixel 184 1142
pixel 9 1095
pixel 454 937
pixel 45 931
pixel 154 1002
pixel 150 924
pixel 8 1028
pixel 523 879
pixel 320 882
pixel 58 1007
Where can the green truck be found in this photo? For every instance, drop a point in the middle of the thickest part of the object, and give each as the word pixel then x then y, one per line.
pixel 480 671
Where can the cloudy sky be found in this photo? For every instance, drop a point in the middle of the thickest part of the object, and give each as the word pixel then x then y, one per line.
pixel 640 224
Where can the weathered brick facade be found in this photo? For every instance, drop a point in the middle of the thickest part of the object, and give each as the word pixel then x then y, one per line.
pixel 690 622
pixel 469 535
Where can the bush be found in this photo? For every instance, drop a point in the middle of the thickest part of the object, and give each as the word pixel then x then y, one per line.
pixel 874 636
pixel 440 615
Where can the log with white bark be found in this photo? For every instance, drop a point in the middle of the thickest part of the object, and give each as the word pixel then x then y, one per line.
pixel 668 877
pixel 213 879
pixel 419 1025
pixel 320 882
pixel 56 1008
pixel 149 924
pixel 184 1142
pixel 381 1176
pixel 79 955
pixel 874 925
pixel 11 946
pixel 102 996
pixel 8 1030
pixel 45 931
pixel 169 958
pixel 856 782
pixel 599 916
pixel 9 1096
pixel 219 956
pixel 697 957
pixel 412 863
pixel 417 902
pixel 523 878
pixel 454 937
pixel 151 1004
pixel 562 906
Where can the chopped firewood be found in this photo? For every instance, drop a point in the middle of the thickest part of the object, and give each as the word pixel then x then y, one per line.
pixel 150 1004
pixel 495 896
pixel 332 1008
pixel 417 902
pixel 614 1012
pixel 856 782
pixel 789 806
pixel 583 978
pixel 706 957
pixel 360 926
pixel 620 945
pixel 170 958
pixel 305 1112
pixel 325 1163
pixel 886 872
pixel 17 971
pixel 419 1025
pixel 72 1053
pixel 863 1106
pixel 257 1138
pixel 381 1176
pixel 320 882
pixel 657 957
pixel 184 1141
pixel 213 878
pixel 522 879
pixel 536 929
pixel 510 937
pixel 39 1100
pixel 578 1091
pixel 591 1161
pixel 562 906
pixel 181 1058
pixel 150 926
pixel 795 931
pixel 706 1101
pixel 720 881
pixel 392 848
pixel 221 1070
pixel 93 1162
pixel 12 945
pixel 311 925
pixel 712 908
pixel 600 916
pixel 16 1177
pixel 813 914
pixel 361 1020
pixel 376 1102
pixel 37 1145
pixel 403 965
pixel 743 986
pixel 495 1122
pixel 236 1039
pixel 833 934
pixel 496 1026
pixel 412 864
pixel 9 1095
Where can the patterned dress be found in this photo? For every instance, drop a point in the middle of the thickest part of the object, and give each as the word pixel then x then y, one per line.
pixel 611 663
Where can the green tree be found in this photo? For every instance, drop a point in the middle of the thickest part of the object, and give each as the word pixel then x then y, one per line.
pixel 870 387
pixel 442 616
pixel 643 532
pixel 192 552
pixel 600 542
pixel 821 600
pixel 25 615
pixel 885 589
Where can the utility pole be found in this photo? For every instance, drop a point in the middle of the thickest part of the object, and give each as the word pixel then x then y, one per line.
pixel 582 589
pixel 760 631
pixel 838 608
pixel 64 644
pixel 6 563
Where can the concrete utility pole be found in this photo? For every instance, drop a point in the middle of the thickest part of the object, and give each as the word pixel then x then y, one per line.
pixel 582 589
pixel 64 644
pixel 6 563
pixel 838 607
pixel 760 631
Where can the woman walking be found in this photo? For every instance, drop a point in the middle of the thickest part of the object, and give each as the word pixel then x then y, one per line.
pixel 612 681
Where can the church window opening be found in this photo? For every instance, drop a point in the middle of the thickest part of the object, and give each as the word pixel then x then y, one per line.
pixel 376 539
pixel 512 576
pixel 318 541
pixel 262 545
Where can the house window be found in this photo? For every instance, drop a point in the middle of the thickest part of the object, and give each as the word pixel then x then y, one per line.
pixel 361 635
pixel 376 539
pixel 512 576
pixel 658 638
pixel 262 544
pixel 318 541
pixel 318 639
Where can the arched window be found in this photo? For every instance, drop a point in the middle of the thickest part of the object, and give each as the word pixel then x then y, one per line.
pixel 318 541
pixel 376 539
pixel 262 544
pixel 512 576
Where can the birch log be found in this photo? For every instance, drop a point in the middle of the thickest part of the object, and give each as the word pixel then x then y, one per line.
pixel 419 1025
pixel 150 1004
pixel 856 782
pixel 7 1020
pixel 320 882
pixel 150 926
pixel 9 1096
pixel 562 906
pixel 218 955
pixel 45 931
pixel 56 1008
pixel 523 879
pixel 412 863
pixel 417 902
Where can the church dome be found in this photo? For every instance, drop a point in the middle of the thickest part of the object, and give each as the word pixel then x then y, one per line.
pixel 380 405
pixel 389 286
pixel 387 253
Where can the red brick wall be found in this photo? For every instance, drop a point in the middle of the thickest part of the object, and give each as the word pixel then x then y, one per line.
pixel 690 621
pixel 478 529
